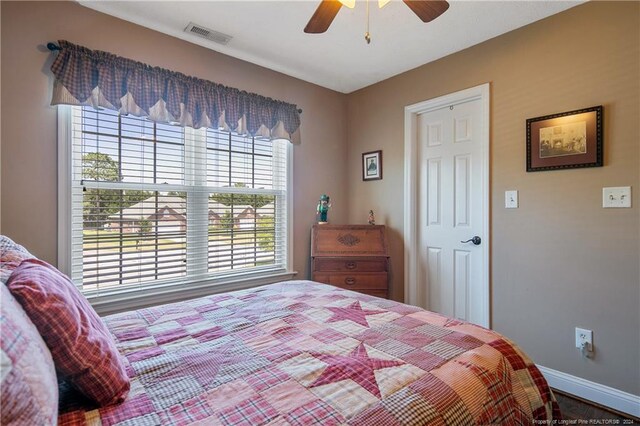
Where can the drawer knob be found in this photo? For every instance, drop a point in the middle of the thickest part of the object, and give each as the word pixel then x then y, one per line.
pixel 349 281
pixel 351 265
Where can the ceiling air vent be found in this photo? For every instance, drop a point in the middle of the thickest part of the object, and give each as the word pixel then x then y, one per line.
pixel 203 32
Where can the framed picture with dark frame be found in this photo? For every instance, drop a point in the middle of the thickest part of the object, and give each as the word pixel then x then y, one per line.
pixel 566 140
pixel 372 165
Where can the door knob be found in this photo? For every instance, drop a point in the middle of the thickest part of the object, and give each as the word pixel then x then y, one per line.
pixel 475 240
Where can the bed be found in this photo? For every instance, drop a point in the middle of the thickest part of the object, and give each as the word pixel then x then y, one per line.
pixel 300 353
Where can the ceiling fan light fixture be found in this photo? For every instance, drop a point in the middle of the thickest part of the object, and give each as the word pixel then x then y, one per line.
pixel 349 3
pixel 426 10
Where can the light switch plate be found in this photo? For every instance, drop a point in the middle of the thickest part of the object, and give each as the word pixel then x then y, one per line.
pixel 511 199
pixel 616 197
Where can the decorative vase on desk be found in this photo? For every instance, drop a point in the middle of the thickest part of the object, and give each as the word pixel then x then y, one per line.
pixel 322 212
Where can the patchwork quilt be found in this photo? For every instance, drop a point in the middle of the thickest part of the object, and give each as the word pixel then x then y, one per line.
pixel 300 353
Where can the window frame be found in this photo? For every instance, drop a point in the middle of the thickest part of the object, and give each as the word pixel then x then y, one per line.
pixel 132 297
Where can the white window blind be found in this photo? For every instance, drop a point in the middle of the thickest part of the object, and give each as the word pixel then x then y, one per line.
pixel 154 204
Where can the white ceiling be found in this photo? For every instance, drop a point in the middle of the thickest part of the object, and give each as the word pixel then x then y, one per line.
pixel 270 33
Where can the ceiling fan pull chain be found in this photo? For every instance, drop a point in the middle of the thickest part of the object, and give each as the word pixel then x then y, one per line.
pixel 367 36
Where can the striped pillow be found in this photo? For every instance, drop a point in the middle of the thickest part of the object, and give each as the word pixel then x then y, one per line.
pixel 82 347
pixel 27 374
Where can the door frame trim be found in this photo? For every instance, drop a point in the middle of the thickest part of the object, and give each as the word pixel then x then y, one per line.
pixel 411 170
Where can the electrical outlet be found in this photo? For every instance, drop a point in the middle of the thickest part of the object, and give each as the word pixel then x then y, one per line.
pixel 583 336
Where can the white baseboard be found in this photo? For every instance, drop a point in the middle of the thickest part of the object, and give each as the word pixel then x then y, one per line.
pixel 600 394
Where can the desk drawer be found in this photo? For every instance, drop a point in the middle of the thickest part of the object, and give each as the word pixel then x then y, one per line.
pixel 350 265
pixel 373 281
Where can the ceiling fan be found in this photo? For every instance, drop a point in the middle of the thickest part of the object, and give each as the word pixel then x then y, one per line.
pixel 427 10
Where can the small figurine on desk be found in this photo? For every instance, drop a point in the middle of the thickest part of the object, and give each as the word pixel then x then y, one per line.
pixel 323 209
pixel 372 219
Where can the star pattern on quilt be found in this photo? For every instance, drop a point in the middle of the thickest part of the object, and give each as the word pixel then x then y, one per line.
pixel 353 312
pixel 215 364
pixel 357 366
pixel 207 363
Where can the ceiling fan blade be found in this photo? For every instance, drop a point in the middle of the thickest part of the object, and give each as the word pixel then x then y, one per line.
pixel 323 16
pixel 427 10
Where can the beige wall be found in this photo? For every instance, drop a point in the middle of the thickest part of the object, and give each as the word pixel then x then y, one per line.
pixel 29 170
pixel 560 260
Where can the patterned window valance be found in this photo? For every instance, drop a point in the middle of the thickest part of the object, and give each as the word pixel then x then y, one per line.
pixel 101 79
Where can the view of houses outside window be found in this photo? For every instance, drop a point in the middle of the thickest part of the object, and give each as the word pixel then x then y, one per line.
pixel 156 202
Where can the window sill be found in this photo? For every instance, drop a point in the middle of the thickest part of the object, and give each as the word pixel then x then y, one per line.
pixel 127 301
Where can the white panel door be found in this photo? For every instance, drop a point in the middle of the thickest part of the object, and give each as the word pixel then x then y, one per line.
pixel 450 210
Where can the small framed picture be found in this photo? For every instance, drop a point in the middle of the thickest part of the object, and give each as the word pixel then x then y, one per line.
pixel 372 165
pixel 565 141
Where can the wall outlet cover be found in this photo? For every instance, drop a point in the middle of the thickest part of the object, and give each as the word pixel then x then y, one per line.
pixel 583 335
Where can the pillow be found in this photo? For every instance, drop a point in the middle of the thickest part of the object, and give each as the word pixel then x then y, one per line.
pixel 27 374
pixel 7 244
pixel 83 350
pixel 11 254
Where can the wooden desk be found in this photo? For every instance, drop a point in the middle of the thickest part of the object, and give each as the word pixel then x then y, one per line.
pixel 354 257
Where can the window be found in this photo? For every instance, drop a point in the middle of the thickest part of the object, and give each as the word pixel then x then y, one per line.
pixel 155 205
